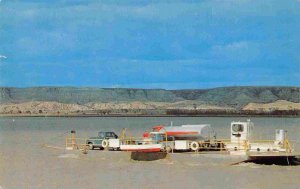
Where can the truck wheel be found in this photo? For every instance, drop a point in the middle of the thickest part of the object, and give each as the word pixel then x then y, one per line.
pixel 194 146
pixel 168 149
pixel 91 146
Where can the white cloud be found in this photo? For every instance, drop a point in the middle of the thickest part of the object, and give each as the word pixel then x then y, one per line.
pixel 232 46
pixel 2 56
pixel 240 51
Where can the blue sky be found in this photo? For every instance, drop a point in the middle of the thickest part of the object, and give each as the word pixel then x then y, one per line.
pixel 149 44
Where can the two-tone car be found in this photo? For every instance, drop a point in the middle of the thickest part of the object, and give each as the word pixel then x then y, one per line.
pixel 101 141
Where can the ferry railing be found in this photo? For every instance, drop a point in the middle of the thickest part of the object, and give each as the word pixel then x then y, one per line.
pixel 243 144
pixel 80 143
pixel 246 144
pixel 215 145
pixel 75 143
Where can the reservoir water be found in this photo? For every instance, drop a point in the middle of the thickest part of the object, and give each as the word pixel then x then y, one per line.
pixel 25 163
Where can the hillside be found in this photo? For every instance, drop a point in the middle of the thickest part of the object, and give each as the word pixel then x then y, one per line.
pixel 278 105
pixel 236 97
pixel 240 96
pixel 37 107
pixel 42 107
pixel 227 100
pixel 84 95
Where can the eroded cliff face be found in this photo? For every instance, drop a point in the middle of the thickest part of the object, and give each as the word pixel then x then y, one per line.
pixel 277 105
pixel 41 107
pixel 58 100
pixel 37 107
pixel 84 95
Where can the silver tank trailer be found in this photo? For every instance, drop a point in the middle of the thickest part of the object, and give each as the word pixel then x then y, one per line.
pixel 190 132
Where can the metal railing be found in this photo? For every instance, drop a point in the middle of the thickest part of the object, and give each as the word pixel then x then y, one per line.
pixel 73 142
pixel 76 143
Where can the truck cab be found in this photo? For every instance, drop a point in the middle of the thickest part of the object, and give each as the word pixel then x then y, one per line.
pixel 241 131
pixel 97 142
pixel 241 135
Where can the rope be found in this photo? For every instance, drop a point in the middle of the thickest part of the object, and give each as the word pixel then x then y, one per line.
pixel 51 139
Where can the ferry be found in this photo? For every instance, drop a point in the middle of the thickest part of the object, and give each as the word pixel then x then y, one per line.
pixel 197 138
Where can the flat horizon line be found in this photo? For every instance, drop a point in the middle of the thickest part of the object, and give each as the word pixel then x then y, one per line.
pixel 137 88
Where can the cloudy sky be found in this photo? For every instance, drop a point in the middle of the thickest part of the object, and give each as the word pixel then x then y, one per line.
pixel 149 44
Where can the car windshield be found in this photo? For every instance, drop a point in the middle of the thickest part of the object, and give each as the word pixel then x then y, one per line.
pixel 237 128
pixel 109 134
pixel 102 135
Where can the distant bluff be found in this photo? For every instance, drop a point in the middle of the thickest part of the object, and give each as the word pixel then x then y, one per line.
pixel 85 95
pixel 230 96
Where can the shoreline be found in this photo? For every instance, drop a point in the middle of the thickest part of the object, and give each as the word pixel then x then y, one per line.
pixel 145 115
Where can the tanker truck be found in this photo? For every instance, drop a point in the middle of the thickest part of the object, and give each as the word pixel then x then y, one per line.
pixel 185 137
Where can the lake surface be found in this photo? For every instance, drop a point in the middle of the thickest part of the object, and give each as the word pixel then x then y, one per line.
pixel 25 163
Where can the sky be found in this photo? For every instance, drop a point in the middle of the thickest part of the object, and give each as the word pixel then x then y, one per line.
pixel 149 44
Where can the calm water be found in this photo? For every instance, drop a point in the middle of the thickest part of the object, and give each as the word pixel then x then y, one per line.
pixel 24 163
pixel 264 128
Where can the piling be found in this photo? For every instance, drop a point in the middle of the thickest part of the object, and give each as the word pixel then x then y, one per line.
pixel 73 139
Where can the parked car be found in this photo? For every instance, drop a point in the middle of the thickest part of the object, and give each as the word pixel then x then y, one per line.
pixel 101 141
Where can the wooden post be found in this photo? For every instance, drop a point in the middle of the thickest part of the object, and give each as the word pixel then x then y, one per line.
pixel 73 139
